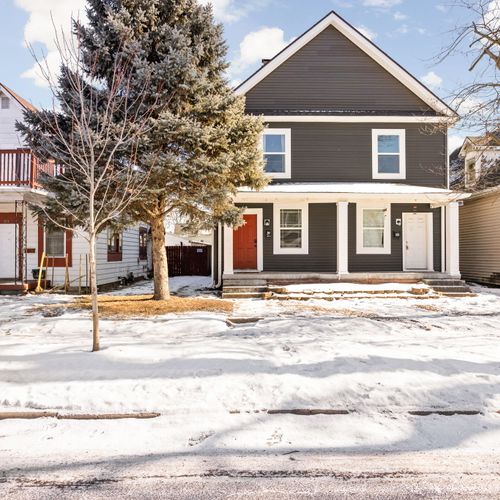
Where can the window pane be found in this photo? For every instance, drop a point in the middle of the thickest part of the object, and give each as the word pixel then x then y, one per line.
pixel 388 164
pixel 388 143
pixel 274 163
pixel 291 238
pixel 54 240
pixel 373 218
pixel 274 143
pixel 291 218
pixel 5 102
pixel 373 238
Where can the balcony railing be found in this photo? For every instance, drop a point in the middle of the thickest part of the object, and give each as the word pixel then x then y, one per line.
pixel 20 167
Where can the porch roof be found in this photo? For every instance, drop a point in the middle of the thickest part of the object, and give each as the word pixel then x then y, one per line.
pixel 350 191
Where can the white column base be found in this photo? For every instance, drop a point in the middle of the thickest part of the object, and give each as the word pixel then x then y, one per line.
pixel 452 240
pixel 342 238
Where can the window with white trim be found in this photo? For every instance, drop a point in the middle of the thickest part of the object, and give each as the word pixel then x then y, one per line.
pixel 55 242
pixel 276 149
pixel 291 229
pixel 388 154
pixel 5 102
pixel 373 231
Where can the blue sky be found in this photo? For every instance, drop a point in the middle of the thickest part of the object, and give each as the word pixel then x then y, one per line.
pixel 410 31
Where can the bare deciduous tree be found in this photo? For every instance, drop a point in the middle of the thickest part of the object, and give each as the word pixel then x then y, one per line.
pixel 93 134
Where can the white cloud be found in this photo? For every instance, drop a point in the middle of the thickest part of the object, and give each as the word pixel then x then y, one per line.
pixel 399 16
pixel 441 8
pixel 257 45
pixel 454 142
pixel 421 31
pixel 384 4
pixel 432 80
pixel 403 29
pixel 225 10
pixel 371 35
pixel 44 17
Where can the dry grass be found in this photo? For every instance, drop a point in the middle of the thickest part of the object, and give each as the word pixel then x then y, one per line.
pixel 144 305
pixel 330 310
pixel 429 307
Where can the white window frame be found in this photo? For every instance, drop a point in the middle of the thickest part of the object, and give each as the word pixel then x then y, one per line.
pixel 288 151
pixel 4 99
pixel 401 133
pixel 360 248
pixel 304 249
pixel 46 230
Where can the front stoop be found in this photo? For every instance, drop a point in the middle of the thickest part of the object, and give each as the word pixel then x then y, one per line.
pixel 450 287
pixel 245 289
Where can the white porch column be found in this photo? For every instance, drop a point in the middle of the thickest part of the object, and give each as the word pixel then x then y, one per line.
pixel 452 239
pixel 228 250
pixel 342 237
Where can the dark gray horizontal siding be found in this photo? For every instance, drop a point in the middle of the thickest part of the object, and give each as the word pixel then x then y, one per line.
pixel 322 255
pixel 394 261
pixel 342 152
pixel 332 73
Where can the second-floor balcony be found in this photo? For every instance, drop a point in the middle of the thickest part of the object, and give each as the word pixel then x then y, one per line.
pixel 21 168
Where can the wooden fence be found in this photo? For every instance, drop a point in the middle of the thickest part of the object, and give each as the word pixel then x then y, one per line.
pixel 189 260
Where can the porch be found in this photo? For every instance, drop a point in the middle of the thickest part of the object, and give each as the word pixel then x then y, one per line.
pixel 21 168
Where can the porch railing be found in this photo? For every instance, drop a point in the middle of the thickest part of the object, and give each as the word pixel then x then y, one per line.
pixel 20 167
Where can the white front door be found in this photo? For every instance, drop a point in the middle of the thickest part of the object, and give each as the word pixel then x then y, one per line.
pixel 417 241
pixel 8 258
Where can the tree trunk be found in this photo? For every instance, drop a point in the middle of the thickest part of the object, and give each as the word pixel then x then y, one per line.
pixel 93 292
pixel 160 264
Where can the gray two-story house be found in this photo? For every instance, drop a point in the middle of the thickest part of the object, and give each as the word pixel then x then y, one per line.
pixel 359 168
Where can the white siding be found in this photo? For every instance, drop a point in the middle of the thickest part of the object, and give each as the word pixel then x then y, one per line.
pixel 108 272
pixel 9 137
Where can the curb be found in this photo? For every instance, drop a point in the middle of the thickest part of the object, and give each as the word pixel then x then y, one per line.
pixel 29 415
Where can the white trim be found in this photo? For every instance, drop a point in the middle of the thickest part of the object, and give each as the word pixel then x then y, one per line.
pixel 365 45
pixel 401 133
pixel 429 222
pixel 452 240
pixel 352 119
pixel 287 174
pixel 304 249
pixel 260 241
pixel 443 239
pixel 228 250
pixel 342 237
pixel 360 249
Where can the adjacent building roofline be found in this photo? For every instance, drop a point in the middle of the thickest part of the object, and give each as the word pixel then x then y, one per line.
pixel 21 101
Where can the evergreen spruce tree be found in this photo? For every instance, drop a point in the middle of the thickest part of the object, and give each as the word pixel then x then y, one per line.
pixel 200 146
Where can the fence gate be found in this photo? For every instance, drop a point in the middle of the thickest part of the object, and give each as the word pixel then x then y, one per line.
pixel 189 260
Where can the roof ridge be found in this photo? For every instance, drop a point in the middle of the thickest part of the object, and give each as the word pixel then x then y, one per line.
pixel 23 102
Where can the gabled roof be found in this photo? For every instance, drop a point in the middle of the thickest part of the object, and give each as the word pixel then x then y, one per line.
pixel 481 142
pixel 22 102
pixel 378 55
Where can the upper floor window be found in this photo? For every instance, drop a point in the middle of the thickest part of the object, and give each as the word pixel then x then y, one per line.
pixel 55 240
pixel 4 102
pixel 276 148
pixel 388 154
pixel 470 173
pixel 291 229
pixel 114 245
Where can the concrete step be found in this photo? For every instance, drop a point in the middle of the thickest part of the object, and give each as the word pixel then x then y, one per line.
pixel 240 289
pixel 245 295
pixel 245 282
pixel 444 282
pixel 451 289
pixel 458 294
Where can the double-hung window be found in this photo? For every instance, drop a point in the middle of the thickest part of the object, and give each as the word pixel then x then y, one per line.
pixel 388 154
pixel 373 231
pixel 55 242
pixel 291 229
pixel 276 149
pixel 114 245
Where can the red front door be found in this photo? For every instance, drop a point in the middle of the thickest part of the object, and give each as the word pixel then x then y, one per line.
pixel 245 244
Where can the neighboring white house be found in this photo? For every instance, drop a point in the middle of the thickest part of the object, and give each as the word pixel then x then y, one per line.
pixel 23 236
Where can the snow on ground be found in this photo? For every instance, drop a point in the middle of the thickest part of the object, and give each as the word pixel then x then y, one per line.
pixel 179 285
pixel 353 287
pixel 377 357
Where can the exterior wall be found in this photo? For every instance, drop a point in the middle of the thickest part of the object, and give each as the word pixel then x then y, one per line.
pixel 322 256
pixel 480 238
pixel 342 152
pixel 392 262
pixel 108 272
pixel 332 73
pixel 9 137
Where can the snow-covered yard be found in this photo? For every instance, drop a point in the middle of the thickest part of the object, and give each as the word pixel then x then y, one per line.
pixel 212 381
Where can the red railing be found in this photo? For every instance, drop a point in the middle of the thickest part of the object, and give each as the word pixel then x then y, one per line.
pixel 19 167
